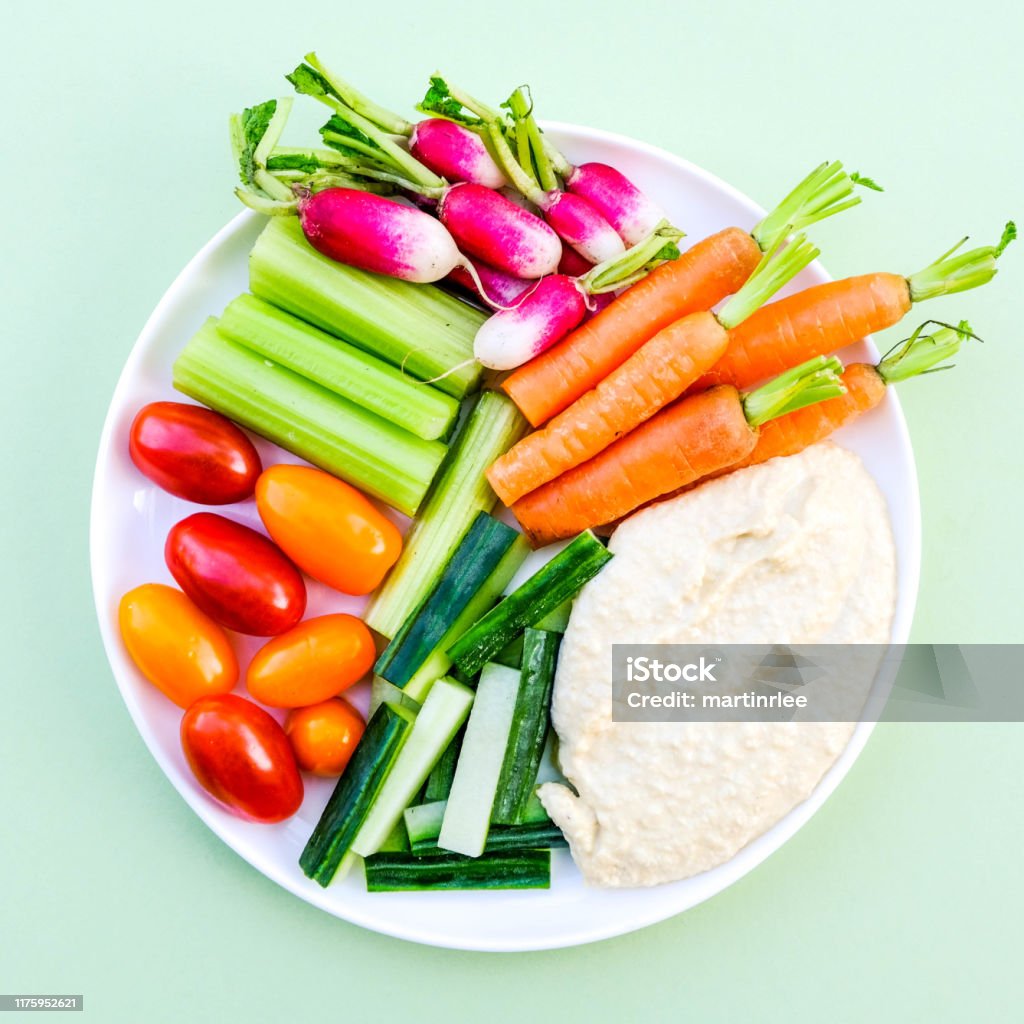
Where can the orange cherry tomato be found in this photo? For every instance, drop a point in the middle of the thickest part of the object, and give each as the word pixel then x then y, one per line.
pixel 180 650
pixel 329 529
pixel 314 660
pixel 324 735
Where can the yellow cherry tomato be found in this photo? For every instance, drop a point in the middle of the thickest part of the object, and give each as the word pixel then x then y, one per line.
pixel 314 660
pixel 324 735
pixel 327 528
pixel 178 648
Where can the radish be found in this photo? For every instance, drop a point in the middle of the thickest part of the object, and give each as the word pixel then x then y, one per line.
pixel 455 153
pixel 548 313
pixel 558 303
pixel 450 150
pixel 575 220
pixel 631 213
pixel 500 290
pixel 483 223
pixel 379 234
pixel 494 229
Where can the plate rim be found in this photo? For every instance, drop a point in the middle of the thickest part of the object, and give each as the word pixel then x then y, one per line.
pixel 742 863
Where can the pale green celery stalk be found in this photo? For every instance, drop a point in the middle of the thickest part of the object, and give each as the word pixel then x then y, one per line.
pixel 459 493
pixel 376 456
pixel 814 381
pixel 826 191
pixel 347 371
pixel 422 330
pixel 952 273
pixel 777 268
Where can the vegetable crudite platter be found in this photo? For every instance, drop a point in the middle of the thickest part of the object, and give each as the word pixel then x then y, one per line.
pixel 457 403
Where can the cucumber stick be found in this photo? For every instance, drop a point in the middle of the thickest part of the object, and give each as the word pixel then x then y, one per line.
pixel 354 795
pixel 552 585
pixel 439 781
pixel 308 420
pixel 515 869
pixel 340 367
pixel 423 821
pixel 529 727
pixel 437 663
pixel 440 718
pixel 468 814
pixel 417 327
pixel 460 491
pixel 477 556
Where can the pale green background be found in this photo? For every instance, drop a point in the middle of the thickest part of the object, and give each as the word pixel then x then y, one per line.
pixel 901 900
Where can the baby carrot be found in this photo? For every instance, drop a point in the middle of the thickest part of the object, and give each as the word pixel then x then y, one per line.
pixel 828 317
pixel 694 437
pixel 703 276
pixel 655 375
pixel 865 386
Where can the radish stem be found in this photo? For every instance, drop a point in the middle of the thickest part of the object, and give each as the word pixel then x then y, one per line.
pixel 635 263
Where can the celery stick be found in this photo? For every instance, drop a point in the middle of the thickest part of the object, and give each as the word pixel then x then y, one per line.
pixel 306 419
pixel 347 371
pixel 461 491
pixel 420 328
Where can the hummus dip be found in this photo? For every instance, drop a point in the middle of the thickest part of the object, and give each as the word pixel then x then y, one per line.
pixel 798 550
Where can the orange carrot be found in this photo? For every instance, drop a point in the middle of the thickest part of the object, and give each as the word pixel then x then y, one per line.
pixel 699 279
pixel 658 373
pixel 689 440
pixel 828 317
pixel 865 387
pixel 655 375
pixel 816 321
pixel 696 281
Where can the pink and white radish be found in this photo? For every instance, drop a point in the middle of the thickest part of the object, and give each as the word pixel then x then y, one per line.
pixel 455 152
pixel 380 235
pixel 452 151
pixel 618 200
pixel 483 222
pixel 492 228
pixel 576 221
pixel 557 304
pixel 629 211
pixel 500 290
pixel 545 315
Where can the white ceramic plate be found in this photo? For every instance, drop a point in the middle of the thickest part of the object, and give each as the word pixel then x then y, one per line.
pixel 131 517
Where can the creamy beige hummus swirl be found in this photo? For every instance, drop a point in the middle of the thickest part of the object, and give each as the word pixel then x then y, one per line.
pixel 798 550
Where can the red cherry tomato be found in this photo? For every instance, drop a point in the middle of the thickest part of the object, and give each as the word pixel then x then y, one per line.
pixel 194 453
pixel 314 660
pixel 325 735
pixel 242 758
pixel 235 575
